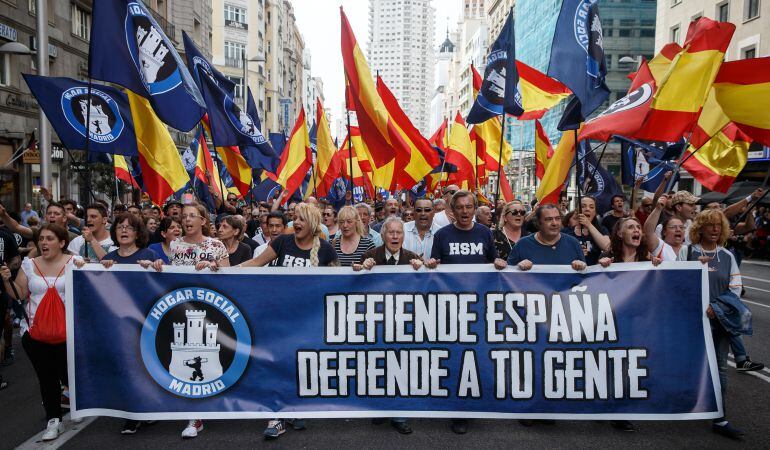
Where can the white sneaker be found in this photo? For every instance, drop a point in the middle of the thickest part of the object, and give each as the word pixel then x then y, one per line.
pixel 194 427
pixel 52 430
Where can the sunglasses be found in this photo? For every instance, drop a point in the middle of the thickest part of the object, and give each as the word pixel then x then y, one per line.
pixel 423 210
pixel 327 214
pixel 517 212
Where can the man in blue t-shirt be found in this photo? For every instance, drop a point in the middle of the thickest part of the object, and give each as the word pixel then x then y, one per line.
pixel 549 245
pixel 464 242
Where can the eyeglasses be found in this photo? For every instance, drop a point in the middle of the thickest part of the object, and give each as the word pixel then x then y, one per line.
pixel 125 228
pixel 423 210
pixel 449 192
pixel 190 216
pixel 675 227
pixel 327 214
pixel 516 212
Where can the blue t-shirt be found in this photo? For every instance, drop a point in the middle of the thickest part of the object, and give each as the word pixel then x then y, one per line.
pixel 566 250
pixel 158 249
pixel 452 245
pixel 141 254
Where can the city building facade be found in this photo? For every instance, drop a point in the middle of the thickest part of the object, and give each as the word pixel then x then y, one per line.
pixel 400 50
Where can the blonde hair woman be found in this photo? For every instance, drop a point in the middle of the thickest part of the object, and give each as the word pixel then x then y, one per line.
pixel 708 234
pixel 304 248
pixel 352 243
pixel 510 228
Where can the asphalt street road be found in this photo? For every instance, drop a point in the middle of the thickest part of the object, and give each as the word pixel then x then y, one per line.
pixel 748 407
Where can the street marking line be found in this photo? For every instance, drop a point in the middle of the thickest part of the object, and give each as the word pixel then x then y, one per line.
pixel 754 374
pixel 70 430
pixel 755 263
pixel 763 280
pixel 754 303
pixel 756 289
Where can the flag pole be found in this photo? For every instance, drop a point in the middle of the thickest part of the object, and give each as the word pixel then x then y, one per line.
pixel 499 167
pixel 350 156
pixel 577 178
pixel 598 161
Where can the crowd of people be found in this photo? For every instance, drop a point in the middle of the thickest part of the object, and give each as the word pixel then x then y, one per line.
pixel 424 233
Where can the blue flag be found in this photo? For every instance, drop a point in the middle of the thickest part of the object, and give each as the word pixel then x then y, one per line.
pixel 260 155
pixel 67 106
pixel 278 142
pixel 655 176
pixel 500 89
pixel 199 66
pixel 129 48
pixel 190 159
pixel 627 163
pixel 577 53
pixel 595 181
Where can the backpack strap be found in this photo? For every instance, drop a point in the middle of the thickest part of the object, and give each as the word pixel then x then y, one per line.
pixel 40 272
pixel 62 270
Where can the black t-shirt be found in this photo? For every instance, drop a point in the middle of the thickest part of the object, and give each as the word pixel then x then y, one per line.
pixel 241 254
pixel 251 243
pixel 452 245
pixel 289 255
pixel 609 221
pixel 9 247
pixel 587 241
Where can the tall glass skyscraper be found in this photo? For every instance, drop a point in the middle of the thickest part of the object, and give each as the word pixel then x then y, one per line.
pixel 628 28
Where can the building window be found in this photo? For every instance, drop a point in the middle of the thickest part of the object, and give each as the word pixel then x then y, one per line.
pixel 81 22
pixel 238 92
pixel 723 12
pixel 751 9
pixel 674 34
pixel 234 52
pixel 235 14
pixel 5 70
pixel 749 52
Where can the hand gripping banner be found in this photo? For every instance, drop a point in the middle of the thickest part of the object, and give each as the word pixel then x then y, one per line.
pixel 627 342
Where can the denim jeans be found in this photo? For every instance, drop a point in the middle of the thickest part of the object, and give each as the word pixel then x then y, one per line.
pixel 738 349
pixel 721 348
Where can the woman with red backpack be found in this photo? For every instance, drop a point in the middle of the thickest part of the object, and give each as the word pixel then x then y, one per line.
pixel 43 332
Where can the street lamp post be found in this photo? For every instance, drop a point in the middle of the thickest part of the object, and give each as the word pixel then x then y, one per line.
pixel 259 59
pixel 44 142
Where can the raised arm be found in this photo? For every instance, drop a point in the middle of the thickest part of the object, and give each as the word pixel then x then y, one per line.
pixel 652 221
pixel 15 226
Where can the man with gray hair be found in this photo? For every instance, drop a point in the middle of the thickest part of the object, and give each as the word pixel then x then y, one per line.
pixel 365 212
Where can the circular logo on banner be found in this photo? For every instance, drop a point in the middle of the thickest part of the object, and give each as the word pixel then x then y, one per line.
pixel 105 124
pixel 150 50
pixel 588 33
pixel 634 99
pixel 242 121
pixel 195 342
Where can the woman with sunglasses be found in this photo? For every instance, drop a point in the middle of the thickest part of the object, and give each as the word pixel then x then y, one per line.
pixel 329 216
pixel 510 228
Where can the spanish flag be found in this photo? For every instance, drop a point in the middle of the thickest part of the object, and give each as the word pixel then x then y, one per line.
pixel 360 178
pixel 742 89
pixel 422 156
pixel 539 92
pixel 543 150
pixel 122 172
pixel 477 81
pixel 327 165
pixel 440 173
pixel 296 158
pixel 234 162
pixel 505 188
pixel 720 160
pixel 387 150
pixel 460 153
pixel 558 169
pixel 162 169
pixel 682 91
pixel 486 138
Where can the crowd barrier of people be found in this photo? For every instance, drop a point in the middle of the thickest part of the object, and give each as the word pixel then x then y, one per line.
pixel 423 233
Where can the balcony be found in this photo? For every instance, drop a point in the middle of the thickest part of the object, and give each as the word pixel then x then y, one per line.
pixel 234 62
pixel 167 26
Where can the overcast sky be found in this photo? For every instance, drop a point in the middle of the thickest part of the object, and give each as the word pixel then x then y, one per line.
pixel 319 23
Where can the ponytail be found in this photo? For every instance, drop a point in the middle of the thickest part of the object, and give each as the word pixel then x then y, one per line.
pixel 314 251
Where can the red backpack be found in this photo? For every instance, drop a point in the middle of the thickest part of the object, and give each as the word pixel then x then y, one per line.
pixel 49 325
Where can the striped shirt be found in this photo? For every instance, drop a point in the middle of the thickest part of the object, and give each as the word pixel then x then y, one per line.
pixel 348 259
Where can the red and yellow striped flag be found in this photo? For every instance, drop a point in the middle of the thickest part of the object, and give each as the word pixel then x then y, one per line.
pixel 387 151
pixel 360 177
pixel 685 86
pixel 558 169
pixel 460 153
pixel 543 150
pixel 163 172
pixel 539 92
pixel 717 163
pixel 742 89
pixel 122 171
pixel 327 162
pixel 296 158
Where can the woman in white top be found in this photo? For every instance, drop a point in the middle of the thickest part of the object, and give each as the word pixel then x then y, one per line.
pixel 672 232
pixel 33 280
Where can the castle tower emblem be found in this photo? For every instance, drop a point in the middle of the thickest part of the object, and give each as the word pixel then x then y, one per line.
pixel 195 354
pixel 152 52
pixel 98 121
pixel 247 125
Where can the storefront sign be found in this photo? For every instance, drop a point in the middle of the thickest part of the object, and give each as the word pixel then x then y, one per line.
pixel 7 32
